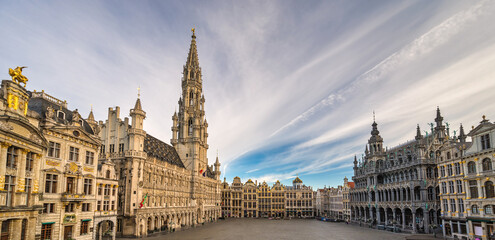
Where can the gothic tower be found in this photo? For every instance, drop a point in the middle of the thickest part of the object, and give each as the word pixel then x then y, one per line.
pixel 189 130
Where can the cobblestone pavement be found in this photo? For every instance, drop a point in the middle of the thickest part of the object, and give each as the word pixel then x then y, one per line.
pixel 259 229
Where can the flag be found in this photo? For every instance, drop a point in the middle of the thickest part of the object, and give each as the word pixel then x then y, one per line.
pixel 204 174
pixel 144 200
pixel 201 171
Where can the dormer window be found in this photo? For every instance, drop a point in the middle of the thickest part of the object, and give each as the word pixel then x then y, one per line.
pixel 60 115
pixel 485 142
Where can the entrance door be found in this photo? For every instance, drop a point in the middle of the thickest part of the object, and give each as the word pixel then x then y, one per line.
pixel 67 232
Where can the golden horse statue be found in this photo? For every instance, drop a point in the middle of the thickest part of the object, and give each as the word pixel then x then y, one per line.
pixel 17 76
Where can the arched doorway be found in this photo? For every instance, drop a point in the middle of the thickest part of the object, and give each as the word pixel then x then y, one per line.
pixel 105 230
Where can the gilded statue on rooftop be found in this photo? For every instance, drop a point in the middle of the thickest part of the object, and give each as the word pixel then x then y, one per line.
pixel 17 76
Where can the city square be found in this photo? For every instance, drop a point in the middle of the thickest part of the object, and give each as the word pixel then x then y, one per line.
pixel 245 229
pixel 280 119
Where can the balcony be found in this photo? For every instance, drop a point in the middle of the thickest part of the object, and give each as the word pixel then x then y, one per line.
pixel 72 197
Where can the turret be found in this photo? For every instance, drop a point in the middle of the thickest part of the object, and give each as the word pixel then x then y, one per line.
pixel 217 169
pixel 418 134
pixel 462 135
pixel 136 132
pixel 440 128
pixel 375 141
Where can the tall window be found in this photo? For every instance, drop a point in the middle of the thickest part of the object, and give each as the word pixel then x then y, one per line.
pixel 102 149
pixel 70 187
pixel 452 205
pixel 445 205
pixel 487 164
pixel 106 205
pixel 451 187
pixel 54 150
pixel 108 174
pixel 107 190
pixel 442 171
pixel 112 148
pixel 121 147
pixel 489 209
pixel 474 209
pixel 88 186
pixel 449 170
pixel 485 141
pixel 457 168
pixel 84 227
pixel 28 189
pixel 471 167
pixel 444 187
pixel 29 161
pixel 459 186
pixel 489 189
pixel 51 183
pixel 74 154
pixel 461 205
pixel 46 231
pixel 12 157
pixel 473 188
pixel 190 132
pixel 431 194
pixel 9 187
pixel 90 156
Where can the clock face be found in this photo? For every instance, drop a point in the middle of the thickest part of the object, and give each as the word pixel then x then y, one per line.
pixel 76 133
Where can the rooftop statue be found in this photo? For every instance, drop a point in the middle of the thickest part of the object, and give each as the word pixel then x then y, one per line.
pixel 17 76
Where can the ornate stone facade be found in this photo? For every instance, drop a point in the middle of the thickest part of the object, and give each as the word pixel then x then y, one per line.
pixel 398 187
pixel 479 177
pixel 260 200
pixel 68 172
pixel 164 187
pixel 23 147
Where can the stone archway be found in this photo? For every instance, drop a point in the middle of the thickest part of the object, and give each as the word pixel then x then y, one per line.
pixel 105 230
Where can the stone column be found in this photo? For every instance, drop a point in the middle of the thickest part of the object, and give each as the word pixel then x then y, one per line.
pixel 459 226
pixel 414 221
pixel 443 227
pixel 393 215
pixel 16 226
pixel 378 216
pixel 426 221
pixel 3 163
pixel 485 231
pixel 21 178
pixel 481 193
pixel 386 217
pixel 403 211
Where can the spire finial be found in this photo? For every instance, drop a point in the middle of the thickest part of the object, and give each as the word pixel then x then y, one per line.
pixel 91 107
pixel 373 115
pixel 139 91
pixel 192 30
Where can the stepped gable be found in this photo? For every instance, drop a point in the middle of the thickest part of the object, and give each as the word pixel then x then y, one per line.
pixel 162 151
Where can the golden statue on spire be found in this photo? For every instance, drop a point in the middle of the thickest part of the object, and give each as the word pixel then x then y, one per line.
pixel 17 76
pixel 192 30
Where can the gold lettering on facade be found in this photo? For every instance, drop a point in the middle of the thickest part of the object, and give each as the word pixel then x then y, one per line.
pixel 52 163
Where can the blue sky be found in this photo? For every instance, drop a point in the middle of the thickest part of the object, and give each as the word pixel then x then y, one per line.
pixel 290 86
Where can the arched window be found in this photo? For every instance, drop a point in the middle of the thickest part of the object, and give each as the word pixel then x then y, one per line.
pixel 471 167
pixel 489 191
pixel 190 127
pixel 474 209
pixel 108 174
pixel 489 209
pixel 448 155
pixel 191 98
pixel 60 114
pixel 487 164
